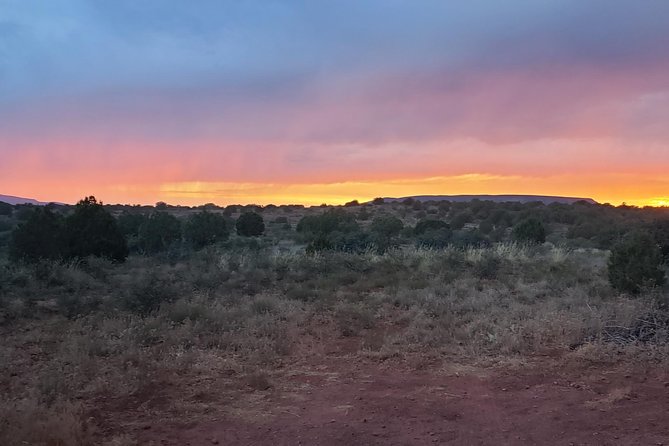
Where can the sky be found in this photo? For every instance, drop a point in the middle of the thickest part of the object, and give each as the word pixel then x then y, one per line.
pixel 316 101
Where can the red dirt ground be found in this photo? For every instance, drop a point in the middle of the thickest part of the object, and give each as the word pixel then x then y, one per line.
pixel 350 400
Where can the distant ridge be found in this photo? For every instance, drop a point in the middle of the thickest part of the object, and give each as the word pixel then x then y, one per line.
pixel 19 200
pixel 546 199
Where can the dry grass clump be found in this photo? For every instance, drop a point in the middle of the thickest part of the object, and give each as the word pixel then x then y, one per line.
pixel 75 333
pixel 29 422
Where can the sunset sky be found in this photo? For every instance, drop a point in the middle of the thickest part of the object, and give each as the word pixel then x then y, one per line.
pixel 327 101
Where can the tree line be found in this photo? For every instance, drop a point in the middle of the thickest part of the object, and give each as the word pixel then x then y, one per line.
pixel 637 238
pixel 90 230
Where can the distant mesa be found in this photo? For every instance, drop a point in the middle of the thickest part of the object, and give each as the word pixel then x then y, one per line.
pixel 422 198
pixel 495 198
pixel 19 200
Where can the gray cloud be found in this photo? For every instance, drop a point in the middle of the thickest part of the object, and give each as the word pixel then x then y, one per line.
pixel 340 72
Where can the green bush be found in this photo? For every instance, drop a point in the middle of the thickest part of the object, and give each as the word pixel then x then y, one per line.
pixel 6 226
pixel 130 222
pixel 660 231
pixel 487 267
pixel 424 226
pixel 6 208
pixel 486 227
pixel 386 226
pixel 91 231
pixel 147 292
pixel 158 232
pixel 468 238
pixel 205 228
pixel 435 238
pixel 384 230
pixel 250 224
pixel 460 220
pixel 529 231
pixel 39 237
pixel 635 263
pixel 24 211
pixel 353 242
pixel 318 244
pixel 327 222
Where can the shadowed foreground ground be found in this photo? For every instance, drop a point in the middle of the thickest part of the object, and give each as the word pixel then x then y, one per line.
pixel 342 400
pixel 501 346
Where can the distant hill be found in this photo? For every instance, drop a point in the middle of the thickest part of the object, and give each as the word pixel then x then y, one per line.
pixel 496 198
pixel 19 200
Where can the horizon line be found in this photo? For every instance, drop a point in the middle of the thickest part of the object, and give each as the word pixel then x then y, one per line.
pixel 660 202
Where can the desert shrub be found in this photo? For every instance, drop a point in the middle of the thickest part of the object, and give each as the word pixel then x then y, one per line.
pixel 529 231
pixel 263 305
pixel 301 292
pixel 584 229
pixel 39 237
pixel 186 309
pixel 24 211
pixel 466 238
pixel 6 226
pixel 352 242
pixel 205 228
pixel 333 229
pixel 250 224
pixel 635 263
pixel 147 291
pixel 364 215
pixel 424 226
pixel 352 318
pixel 601 233
pixel 660 231
pixel 130 222
pixel 461 219
pixel 91 231
pixel 6 208
pixel 435 238
pixel 247 245
pixel 488 266
pixel 158 232
pixel 32 422
pixel 72 305
pixel 384 230
pixel 330 221
pixel 486 227
pixel 319 243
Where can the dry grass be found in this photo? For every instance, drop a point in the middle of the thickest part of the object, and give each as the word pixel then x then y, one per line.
pixel 32 422
pixel 75 335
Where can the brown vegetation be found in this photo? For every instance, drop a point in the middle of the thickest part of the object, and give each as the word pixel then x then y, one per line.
pixel 158 347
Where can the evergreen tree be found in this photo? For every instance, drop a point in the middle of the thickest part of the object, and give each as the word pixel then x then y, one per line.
pixel 530 231
pixel 91 231
pixel 635 262
pixel 205 228
pixel 39 237
pixel 250 224
pixel 158 232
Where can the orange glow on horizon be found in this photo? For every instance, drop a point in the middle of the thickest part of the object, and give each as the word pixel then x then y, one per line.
pixel 638 190
pixel 137 173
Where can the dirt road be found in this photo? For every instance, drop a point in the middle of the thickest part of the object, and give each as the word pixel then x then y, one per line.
pixel 352 401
